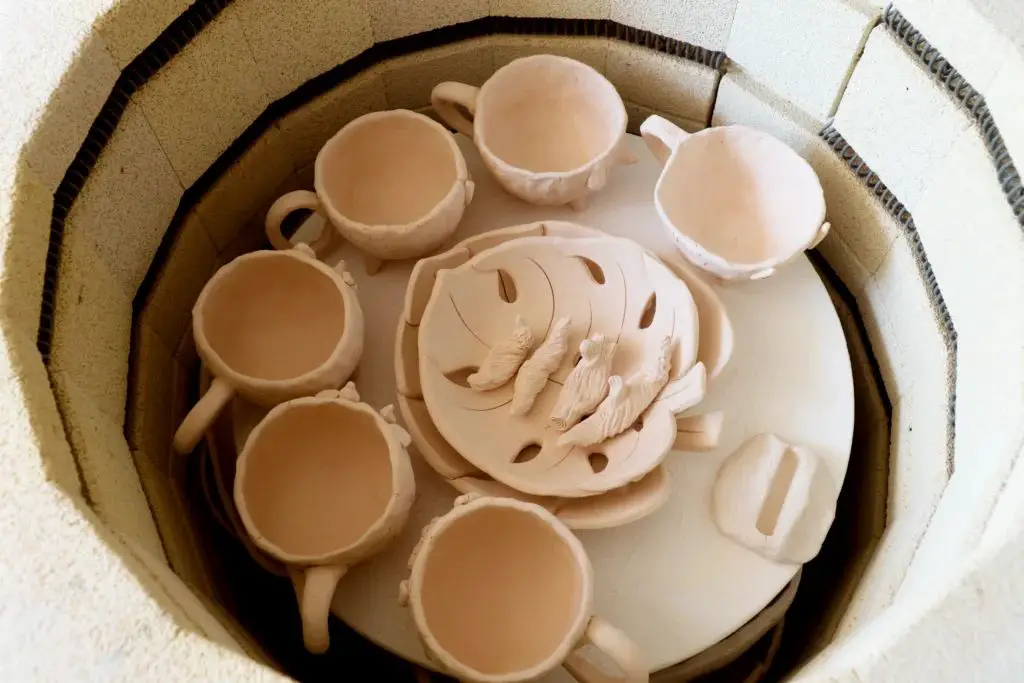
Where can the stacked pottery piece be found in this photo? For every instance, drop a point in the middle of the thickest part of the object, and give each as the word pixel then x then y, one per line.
pixel 544 370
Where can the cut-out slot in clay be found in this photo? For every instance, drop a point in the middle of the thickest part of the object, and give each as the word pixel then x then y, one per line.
pixel 461 376
pixel 595 270
pixel 776 499
pixel 650 308
pixel 598 461
pixel 506 287
pixel 528 453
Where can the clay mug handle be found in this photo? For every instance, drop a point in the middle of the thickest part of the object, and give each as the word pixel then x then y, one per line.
pixel 617 646
pixel 314 589
pixel 662 137
pixel 293 201
pixel 446 96
pixel 202 415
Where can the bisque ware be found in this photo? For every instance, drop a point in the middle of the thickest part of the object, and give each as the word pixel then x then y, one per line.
pixel 737 202
pixel 549 128
pixel 394 183
pixel 614 508
pixel 634 325
pixel 272 326
pixel 500 590
pixel 322 484
pixel 776 499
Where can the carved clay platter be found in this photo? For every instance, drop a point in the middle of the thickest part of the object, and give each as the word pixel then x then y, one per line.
pixel 604 285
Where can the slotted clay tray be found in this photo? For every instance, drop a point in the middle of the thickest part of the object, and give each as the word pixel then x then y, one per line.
pixel 604 285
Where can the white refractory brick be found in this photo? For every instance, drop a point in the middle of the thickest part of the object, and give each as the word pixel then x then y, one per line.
pixel 408 80
pixel 128 200
pixel 979 270
pixel 71 110
pixel 897 118
pixel 637 114
pixel 396 18
pixel 293 46
pixel 203 99
pixel 567 9
pixel 741 100
pixel 590 51
pixel 956 29
pixel 91 325
pixel 108 471
pixel 700 22
pixel 128 27
pixel 1005 99
pixel 779 42
pixel 24 241
pixel 662 82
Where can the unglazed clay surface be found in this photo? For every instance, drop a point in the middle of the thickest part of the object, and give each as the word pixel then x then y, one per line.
pixel 500 590
pixel 737 201
pixel 604 286
pixel 533 374
pixel 796 385
pixel 321 484
pixel 394 183
pixel 272 326
pixel 549 128
pixel 776 499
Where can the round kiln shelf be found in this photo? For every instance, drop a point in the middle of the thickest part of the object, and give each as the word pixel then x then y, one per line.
pixel 671 580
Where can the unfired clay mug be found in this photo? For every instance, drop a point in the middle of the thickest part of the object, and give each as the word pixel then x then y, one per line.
pixel 737 202
pixel 272 326
pixel 549 128
pixel 323 483
pixel 501 591
pixel 394 183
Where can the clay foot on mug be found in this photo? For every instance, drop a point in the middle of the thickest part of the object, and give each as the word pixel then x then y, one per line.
pixel 372 264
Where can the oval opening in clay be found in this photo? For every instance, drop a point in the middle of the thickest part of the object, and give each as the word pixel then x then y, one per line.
pixel 461 376
pixel 506 287
pixel 777 492
pixel 638 425
pixel 527 453
pixel 596 274
pixel 650 308
pixel 598 461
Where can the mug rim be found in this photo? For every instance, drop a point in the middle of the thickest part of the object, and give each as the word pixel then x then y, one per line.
pixel 418 565
pixel 247 384
pixel 713 261
pixel 351 551
pixel 335 216
pixel 504 166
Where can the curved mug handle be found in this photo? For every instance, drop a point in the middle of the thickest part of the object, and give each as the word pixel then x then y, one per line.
pixel 202 415
pixel 617 646
pixel 445 97
pixel 662 137
pixel 314 590
pixel 293 201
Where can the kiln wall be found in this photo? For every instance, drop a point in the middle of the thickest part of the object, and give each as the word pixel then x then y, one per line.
pixel 924 199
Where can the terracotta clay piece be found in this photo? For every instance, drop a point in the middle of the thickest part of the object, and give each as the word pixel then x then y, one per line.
pixel 533 374
pixel 625 403
pixel 776 499
pixel 606 286
pixel 587 384
pixel 501 591
pixel 736 201
pixel 272 326
pixel 504 359
pixel 394 183
pixel 549 128
pixel 323 483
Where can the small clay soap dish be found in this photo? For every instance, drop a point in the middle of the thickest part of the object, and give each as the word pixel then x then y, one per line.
pixel 634 324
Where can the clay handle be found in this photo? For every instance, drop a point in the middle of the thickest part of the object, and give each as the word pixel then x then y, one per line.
pixel 314 588
pixel 617 646
pixel 202 415
pixel 444 98
pixel 662 137
pixel 285 204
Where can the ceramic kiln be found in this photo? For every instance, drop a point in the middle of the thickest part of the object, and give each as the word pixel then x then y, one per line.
pixel 144 140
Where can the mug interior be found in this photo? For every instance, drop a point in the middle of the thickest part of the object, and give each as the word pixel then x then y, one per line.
pixel 548 114
pixel 273 317
pixel 387 169
pixel 501 590
pixel 317 478
pixel 742 195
